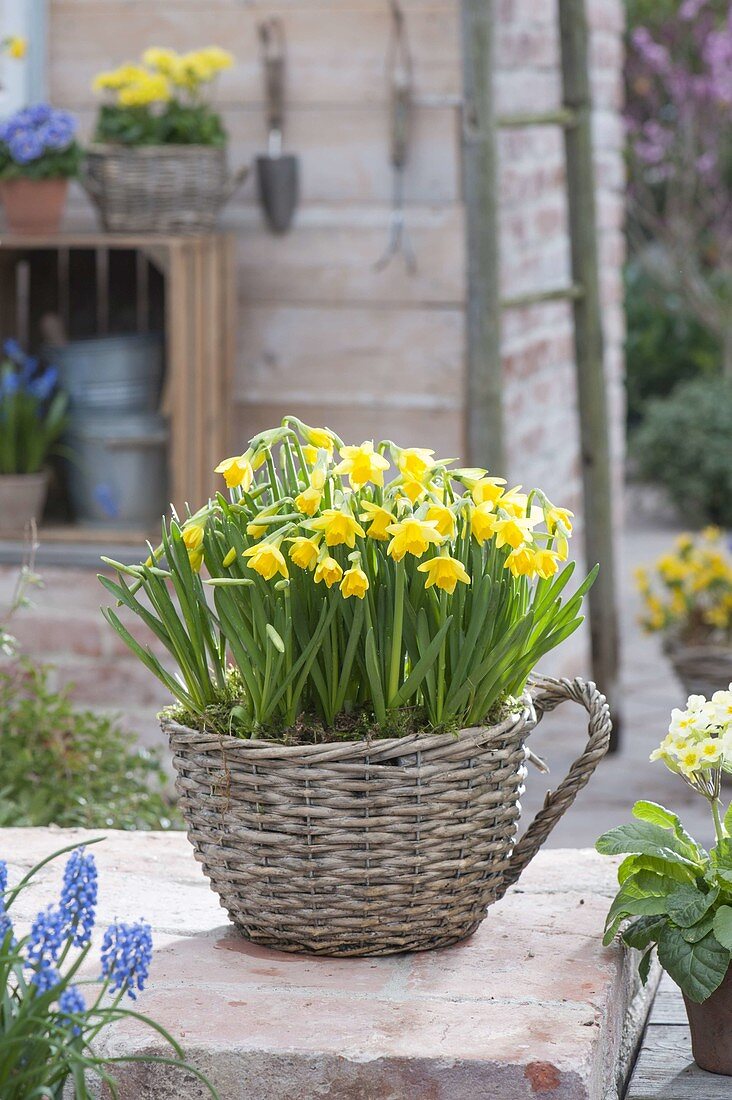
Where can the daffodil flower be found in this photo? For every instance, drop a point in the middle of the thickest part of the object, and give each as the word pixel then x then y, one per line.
pixel 520 562
pixel 513 531
pixel 488 490
pixel 378 519
pixel 414 462
pixel 354 583
pixel 444 572
pixel 304 552
pixel 340 527
pixel 483 521
pixel 328 570
pixel 412 536
pixel 362 464
pixel 192 535
pixel 444 517
pixel 308 501
pixel 267 559
pixel 237 472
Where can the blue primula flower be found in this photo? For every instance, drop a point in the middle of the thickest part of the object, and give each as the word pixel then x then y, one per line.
pixel 25 146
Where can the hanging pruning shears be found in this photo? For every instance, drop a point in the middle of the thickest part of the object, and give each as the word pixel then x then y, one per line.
pixel 401 82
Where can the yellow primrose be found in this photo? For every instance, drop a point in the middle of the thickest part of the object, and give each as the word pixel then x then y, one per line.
pixel 362 464
pixel 304 552
pixel 328 570
pixel 308 501
pixel 414 462
pixel 354 583
pixel 164 60
pixel 267 559
pixel 412 536
pixel 152 88
pixel 488 490
pixel 237 471
pixel 546 562
pixel 521 562
pixel 444 572
pixel 115 79
pixel 16 47
pixel 339 527
pixel 193 535
pixel 483 521
pixel 444 517
pixel 378 519
pixel 710 750
pixel 689 760
pixel 513 531
pixel 229 557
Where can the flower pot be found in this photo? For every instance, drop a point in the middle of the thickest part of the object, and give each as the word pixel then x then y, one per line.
pixel 371 847
pixel 33 207
pixel 159 188
pixel 22 497
pixel 711 1029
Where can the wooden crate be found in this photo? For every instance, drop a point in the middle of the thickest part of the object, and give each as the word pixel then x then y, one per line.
pixel 199 327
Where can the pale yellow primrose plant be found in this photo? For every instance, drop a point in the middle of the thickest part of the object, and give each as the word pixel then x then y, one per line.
pixel 352 579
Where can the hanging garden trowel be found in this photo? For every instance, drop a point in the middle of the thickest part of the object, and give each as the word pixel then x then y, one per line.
pixel 277 173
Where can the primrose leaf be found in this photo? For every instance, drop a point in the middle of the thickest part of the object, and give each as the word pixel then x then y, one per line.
pixel 680 872
pixel 655 814
pixel 643 931
pixel 646 838
pixel 723 926
pixel 698 968
pixel 644 966
pixel 698 931
pixel 687 905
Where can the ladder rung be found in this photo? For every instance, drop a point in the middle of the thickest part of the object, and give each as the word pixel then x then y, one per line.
pixel 563 116
pixel 557 294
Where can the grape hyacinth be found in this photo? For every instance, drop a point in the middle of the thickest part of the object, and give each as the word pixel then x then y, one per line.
pixel 44 944
pixel 79 895
pixel 126 956
pixel 71 1002
pixel 5 923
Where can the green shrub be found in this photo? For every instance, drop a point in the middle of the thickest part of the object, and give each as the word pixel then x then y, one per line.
pixel 685 445
pixel 664 344
pixel 71 767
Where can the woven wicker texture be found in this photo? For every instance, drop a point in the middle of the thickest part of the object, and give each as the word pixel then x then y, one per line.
pixel 159 188
pixel 702 670
pixel 369 848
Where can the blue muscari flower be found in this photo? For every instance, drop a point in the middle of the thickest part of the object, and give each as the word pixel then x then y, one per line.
pixel 14 351
pixel 71 1002
pixel 42 387
pixel 9 383
pixel 126 956
pixel 79 895
pixel 46 937
pixel 5 922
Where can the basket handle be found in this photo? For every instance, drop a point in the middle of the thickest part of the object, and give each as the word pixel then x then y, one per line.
pixel 547 693
pixel 234 182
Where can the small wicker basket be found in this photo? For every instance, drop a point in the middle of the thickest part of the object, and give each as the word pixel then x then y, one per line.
pixel 159 188
pixel 372 847
pixel 701 669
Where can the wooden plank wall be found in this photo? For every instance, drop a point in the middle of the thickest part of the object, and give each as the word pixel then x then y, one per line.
pixel 320 332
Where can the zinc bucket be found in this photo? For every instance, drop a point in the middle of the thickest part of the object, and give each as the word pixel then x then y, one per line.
pixel 106 373
pixel 117 471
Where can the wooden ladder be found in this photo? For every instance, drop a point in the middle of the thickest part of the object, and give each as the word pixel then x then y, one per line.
pixel 485 427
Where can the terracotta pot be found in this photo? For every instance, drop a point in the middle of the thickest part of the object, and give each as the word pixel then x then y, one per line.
pixel 22 497
pixel 33 207
pixel 711 1029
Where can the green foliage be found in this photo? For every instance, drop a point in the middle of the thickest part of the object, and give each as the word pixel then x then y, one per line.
pixel 177 124
pixel 54 164
pixel 685 445
pixel 690 922
pixel 31 420
pixel 664 345
pixel 70 767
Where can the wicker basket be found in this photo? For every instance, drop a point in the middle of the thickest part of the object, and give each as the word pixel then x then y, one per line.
pixel 158 188
pixel 371 847
pixel 701 669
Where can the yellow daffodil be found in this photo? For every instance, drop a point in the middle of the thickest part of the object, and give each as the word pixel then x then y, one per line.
pixel 308 501
pixel 444 517
pixel 310 454
pixel 483 521
pixel 513 531
pixel 362 464
pixel 229 557
pixel 556 517
pixel 514 502
pixel 237 471
pixel 304 552
pixel 320 438
pixel 546 562
pixel 328 570
pixel 444 572
pixel 339 527
pixel 412 536
pixel 16 47
pixel 488 490
pixel 414 462
pixel 520 562
pixel 193 535
pixel 378 519
pixel 354 583
pixel 267 559
pixel 317 478
pixel 195 557
pixel 412 488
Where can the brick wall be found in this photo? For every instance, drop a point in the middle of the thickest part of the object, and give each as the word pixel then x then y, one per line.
pixel 320 332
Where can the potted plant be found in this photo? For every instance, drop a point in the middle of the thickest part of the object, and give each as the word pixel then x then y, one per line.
pixel 32 418
pixel 158 161
pixel 352 690
pixel 676 896
pixel 688 599
pixel 38 156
